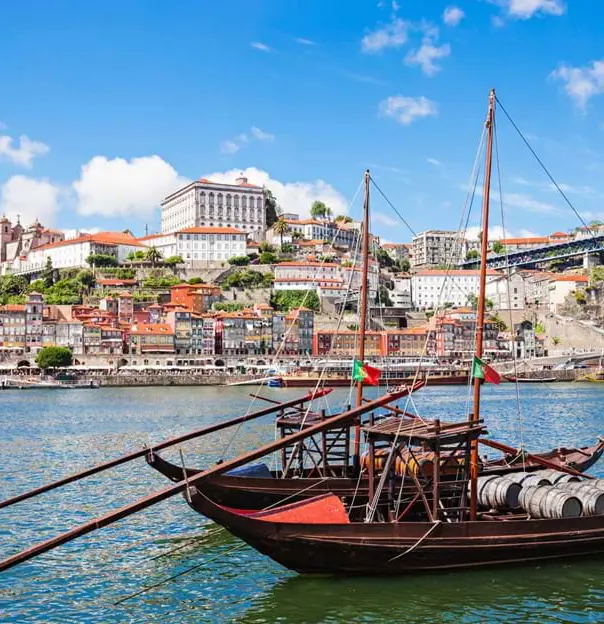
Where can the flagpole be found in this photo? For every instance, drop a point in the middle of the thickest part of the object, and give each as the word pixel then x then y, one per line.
pixel 362 317
pixel 480 311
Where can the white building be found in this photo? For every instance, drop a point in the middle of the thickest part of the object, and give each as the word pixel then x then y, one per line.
pixel 506 292
pixel 434 247
pixel 204 203
pixel 200 246
pixel 398 251
pixel 336 233
pixel 72 253
pixel 432 288
pixel 401 294
pixel 560 286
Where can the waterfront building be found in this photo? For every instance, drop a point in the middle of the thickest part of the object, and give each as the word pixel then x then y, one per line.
pixel 180 320
pixel 209 336
pixel 73 253
pixel 343 343
pixel 198 298
pixel 200 246
pixel 334 233
pixel 455 334
pixel 306 275
pixel 21 325
pixel 432 288
pixel 292 332
pixel 408 343
pixel 203 203
pixel 151 338
pixel 436 247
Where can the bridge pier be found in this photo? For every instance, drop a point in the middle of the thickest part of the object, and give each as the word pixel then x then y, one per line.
pixel 591 259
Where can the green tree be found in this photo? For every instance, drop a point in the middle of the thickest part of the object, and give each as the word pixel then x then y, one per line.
pixel 239 260
pixel 54 357
pixel 472 254
pixel 153 255
pixel 497 247
pixel 580 297
pixel 286 300
pixel 48 274
pixel 539 329
pixel 271 207
pixel 12 285
pixel 383 297
pixel 266 246
pixel 133 256
pixel 196 280
pixel 37 286
pixel 404 265
pixel 267 257
pixel 499 322
pixel 281 228
pixel 86 278
pixel 101 260
pixel 127 231
pixel 343 219
pixel 174 260
pixel 319 210
pixel 228 306
pixel 556 341
pixel 384 259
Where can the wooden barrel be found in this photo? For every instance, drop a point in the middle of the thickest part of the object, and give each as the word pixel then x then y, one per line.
pixel 547 501
pixel 591 498
pixel 497 492
pixel 597 483
pixel 555 476
pixel 527 479
pixel 379 459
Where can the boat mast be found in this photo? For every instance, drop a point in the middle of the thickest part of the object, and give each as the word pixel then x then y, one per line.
pixel 480 311
pixel 362 314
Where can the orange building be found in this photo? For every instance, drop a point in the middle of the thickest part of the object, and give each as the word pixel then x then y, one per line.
pixel 197 298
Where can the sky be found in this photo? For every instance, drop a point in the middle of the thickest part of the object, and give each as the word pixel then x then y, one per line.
pixel 105 107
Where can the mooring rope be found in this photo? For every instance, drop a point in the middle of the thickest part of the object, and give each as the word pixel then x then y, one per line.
pixel 419 541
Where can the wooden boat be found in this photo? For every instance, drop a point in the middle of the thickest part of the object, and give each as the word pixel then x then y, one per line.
pixel 447 521
pixel 343 381
pixel 262 488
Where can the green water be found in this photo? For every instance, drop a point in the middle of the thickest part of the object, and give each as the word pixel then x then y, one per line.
pixel 46 434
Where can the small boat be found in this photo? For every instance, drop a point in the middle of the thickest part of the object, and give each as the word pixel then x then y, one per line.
pixel 275 382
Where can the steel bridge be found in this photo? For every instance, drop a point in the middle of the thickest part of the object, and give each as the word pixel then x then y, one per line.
pixel 527 257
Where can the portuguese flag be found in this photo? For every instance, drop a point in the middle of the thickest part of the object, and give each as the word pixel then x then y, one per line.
pixel 480 370
pixel 365 373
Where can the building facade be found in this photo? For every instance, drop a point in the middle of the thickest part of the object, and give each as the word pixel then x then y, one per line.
pixel 433 288
pixel 436 247
pixel 204 203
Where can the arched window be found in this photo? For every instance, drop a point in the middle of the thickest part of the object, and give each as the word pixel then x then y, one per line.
pixel 244 202
pixel 228 201
pixel 236 201
pixel 211 197
pixel 220 199
pixel 202 198
pixel 259 203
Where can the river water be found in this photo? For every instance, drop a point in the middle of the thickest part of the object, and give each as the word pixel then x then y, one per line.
pixel 45 434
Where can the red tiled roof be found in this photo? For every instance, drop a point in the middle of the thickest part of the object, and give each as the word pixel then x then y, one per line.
pixel 570 278
pixel 12 307
pixel 116 282
pixel 155 329
pixel 106 238
pixel 529 240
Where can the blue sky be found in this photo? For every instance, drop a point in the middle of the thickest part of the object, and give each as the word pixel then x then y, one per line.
pixel 121 101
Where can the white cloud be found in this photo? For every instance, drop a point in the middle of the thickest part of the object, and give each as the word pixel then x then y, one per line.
pixel 581 83
pixel 303 41
pixel 292 196
pixel 26 151
pixel 434 161
pixel 30 198
pixel 525 9
pixel 260 46
pixel 520 200
pixel 260 135
pixel 232 146
pixel 425 56
pixel 391 35
pixel 405 110
pixel 120 187
pixel 453 15
pixel 496 232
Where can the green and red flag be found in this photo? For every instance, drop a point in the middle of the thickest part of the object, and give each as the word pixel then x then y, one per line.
pixel 365 373
pixel 480 370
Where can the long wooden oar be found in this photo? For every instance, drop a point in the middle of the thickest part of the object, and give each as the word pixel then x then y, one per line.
pixel 538 460
pixel 158 447
pixel 161 495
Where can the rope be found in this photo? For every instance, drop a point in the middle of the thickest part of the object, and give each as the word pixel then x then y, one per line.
pixel 400 216
pixel 419 541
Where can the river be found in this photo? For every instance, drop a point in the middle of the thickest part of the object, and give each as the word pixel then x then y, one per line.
pixel 46 434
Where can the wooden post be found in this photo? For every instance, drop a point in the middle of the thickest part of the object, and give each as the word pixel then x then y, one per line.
pixel 436 471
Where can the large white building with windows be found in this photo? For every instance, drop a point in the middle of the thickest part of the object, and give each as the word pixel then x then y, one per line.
pixel 204 203
pixel 200 246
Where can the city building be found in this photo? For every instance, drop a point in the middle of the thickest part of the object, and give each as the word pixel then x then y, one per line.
pixel 561 286
pixel 436 247
pixel 408 343
pixel 506 292
pixel 344 343
pixel 203 203
pixel 398 251
pixel 433 288
pixel 151 338
pixel 455 335
pixel 16 241
pixel 334 233
pixel 197 298
pixel 74 252
pixel 400 295
pixel 200 246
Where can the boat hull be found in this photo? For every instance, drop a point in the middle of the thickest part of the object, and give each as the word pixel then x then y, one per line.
pixel 409 547
pixel 340 382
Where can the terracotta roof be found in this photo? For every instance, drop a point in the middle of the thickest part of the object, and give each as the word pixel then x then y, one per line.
pixel 570 278
pixel 305 222
pixel 13 307
pixel 559 235
pixel 523 241
pixel 253 244
pixel 304 243
pixel 106 238
pixel 125 294
pixel 155 329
